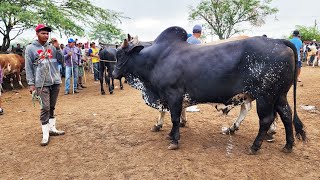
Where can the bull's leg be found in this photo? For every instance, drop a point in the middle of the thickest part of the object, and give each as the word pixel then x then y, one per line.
pixel 265 109
pixel 101 73
pixel 245 108
pixel 112 81
pixel 183 118
pixel 11 76
pixel 175 105
pixel 157 127
pixel 271 132
pixel 284 111
pixel 19 79
pixel 108 83
pixel 121 85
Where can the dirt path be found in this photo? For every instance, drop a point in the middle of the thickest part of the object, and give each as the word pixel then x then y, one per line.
pixel 109 137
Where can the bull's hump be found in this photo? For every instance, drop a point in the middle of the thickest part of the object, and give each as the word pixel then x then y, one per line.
pixel 172 34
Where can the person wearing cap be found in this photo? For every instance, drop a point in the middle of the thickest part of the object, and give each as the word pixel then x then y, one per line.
pixel 61 66
pixel 194 39
pixel 72 59
pixel 81 69
pixel 94 53
pixel 298 44
pixel 43 78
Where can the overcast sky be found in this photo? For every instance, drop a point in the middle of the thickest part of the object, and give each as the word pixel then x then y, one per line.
pixel 148 18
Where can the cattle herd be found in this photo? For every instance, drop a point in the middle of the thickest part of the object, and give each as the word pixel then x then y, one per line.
pixel 173 75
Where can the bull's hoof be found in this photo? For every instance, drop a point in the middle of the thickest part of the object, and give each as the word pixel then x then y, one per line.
pixel 169 137
pixel 111 92
pixel 156 128
pixel 269 137
pixel 103 93
pixel 232 132
pixel 287 149
pixel 121 87
pixel 183 124
pixel 173 146
pixel 228 131
pixel 252 151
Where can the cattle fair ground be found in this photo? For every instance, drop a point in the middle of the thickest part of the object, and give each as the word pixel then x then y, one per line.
pixel 109 137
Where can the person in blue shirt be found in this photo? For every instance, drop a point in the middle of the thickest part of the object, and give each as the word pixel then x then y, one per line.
pixel 194 39
pixel 298 44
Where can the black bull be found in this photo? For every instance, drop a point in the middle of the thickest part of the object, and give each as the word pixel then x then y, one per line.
pixel 107 62
pixel 172 72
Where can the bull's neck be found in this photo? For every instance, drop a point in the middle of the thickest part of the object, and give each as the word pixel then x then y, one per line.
pixel 142 66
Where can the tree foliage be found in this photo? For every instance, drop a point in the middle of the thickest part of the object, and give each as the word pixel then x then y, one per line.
pixel 225 17
pixel 107 33
pixel 69 17
pixel 308 33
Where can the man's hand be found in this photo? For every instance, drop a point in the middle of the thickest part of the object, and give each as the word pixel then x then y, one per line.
pixel 31 89
pixel 55 43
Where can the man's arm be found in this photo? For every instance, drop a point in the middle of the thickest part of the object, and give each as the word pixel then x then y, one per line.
pixel 30 76
pixel 57 50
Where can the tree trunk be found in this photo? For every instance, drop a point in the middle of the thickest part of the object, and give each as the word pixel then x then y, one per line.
pixel 5 43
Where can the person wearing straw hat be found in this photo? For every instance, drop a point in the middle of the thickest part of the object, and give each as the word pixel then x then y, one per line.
pixel 43 77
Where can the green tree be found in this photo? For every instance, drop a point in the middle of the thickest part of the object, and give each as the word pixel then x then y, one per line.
pixel 107 33
pixel 308 33
pixel 69 17
pixel 225 17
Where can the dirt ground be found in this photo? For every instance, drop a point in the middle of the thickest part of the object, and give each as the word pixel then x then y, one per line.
pixel 109 137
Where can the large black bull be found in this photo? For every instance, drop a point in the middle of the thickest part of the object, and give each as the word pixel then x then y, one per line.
pixel 172 73
pixel 107 62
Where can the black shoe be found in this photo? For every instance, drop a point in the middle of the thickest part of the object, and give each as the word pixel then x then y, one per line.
pixel 83 86
pixel 1 111
pixel 75 91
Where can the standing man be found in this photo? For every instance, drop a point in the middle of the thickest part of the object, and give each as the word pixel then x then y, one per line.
pixel 194 39
pixel 19 50
pixel 93 52
pixel 298 44
pixel 81 69
pixel 43 78
pixel 71 57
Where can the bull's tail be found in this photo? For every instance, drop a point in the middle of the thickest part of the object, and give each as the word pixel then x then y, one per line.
pixel 298 125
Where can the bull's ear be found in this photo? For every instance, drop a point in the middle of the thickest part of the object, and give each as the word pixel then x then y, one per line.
pixel 125 43
pixel 135 49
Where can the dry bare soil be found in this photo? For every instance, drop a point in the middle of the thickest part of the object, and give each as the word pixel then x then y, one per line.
pixel 109 137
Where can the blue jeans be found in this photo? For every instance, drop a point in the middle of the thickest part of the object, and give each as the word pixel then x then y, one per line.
pixel 60 69
pixel 96 70
pixel 68 76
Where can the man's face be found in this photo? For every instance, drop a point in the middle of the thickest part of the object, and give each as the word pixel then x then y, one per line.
pixel 43 35
pixel 71 44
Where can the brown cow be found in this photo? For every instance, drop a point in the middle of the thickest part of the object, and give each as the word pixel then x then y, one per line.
pixel 12 64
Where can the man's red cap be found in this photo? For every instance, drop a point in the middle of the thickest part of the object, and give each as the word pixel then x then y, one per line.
pixel 42 27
